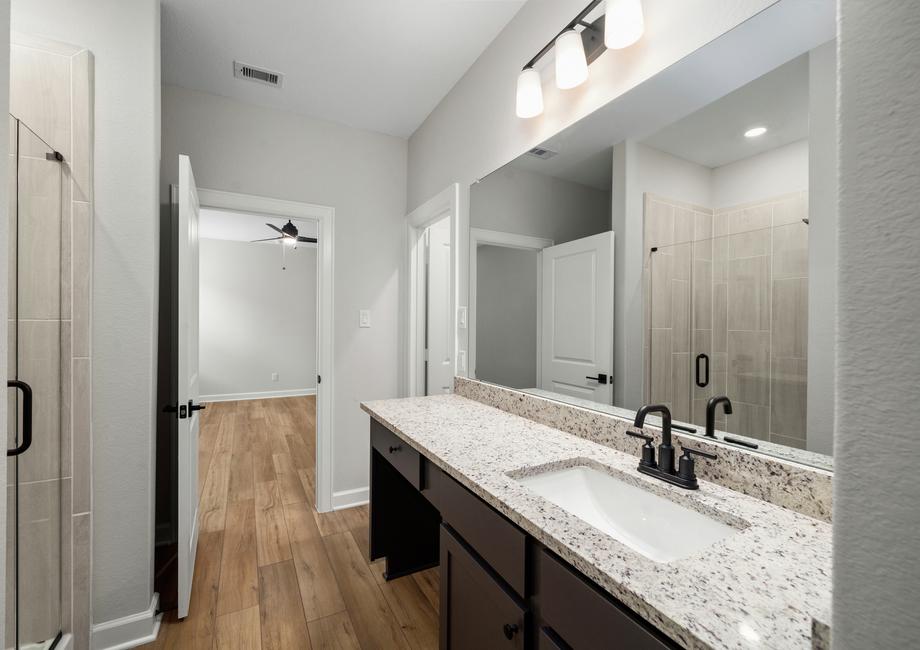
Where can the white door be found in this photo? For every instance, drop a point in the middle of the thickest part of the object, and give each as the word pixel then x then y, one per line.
pixel 187 260
pixel 577 347
pixel 440 368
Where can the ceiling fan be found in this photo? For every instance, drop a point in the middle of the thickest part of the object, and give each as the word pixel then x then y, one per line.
pixel 288 234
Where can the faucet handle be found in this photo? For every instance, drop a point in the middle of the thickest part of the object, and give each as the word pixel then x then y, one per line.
pixel 648 451
pixel 685 468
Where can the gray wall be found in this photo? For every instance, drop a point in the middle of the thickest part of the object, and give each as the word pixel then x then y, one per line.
pixel 526 203
pixel 822 245
pixel 125 39
pixel 877 444
pixel 254 150
pixel 506 316
pixel 256 319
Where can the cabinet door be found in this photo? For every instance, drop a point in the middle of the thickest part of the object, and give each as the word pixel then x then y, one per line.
pixel 477 611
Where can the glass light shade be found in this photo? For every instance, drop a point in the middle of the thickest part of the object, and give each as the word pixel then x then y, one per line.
pixel 529 93
pixel 571 64
pixel 624 23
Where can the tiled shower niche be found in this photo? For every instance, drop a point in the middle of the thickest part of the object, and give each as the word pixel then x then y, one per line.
pixel 727 313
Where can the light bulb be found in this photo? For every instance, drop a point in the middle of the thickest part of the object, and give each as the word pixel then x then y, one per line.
pixel 756 132
pixel 571 64
pixel 529 93
pixel 623 23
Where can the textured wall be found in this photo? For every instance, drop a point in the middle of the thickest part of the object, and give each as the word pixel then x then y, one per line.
pixel 877 446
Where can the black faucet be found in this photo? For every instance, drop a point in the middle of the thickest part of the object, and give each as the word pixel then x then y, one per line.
pixel 711 413
pixel 685 475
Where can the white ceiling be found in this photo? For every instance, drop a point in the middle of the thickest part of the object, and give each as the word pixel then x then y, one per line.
pixel 372 64
pixel 240 226
pixel 714 135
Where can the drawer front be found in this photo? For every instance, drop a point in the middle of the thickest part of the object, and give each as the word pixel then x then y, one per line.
pixel 584 617
pixel 477 611
pixel 496 540
pixel 404 458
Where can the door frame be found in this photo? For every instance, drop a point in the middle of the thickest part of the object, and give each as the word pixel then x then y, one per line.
pixel 325 321
pixel 445 204
pixel 483 237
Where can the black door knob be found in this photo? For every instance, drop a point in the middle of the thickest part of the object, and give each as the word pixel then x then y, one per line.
pixel 510 629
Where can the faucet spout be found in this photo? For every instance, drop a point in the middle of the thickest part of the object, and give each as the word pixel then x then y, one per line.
pixel 711 413
pixel 665 420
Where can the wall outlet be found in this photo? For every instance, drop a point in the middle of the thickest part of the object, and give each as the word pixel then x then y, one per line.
pixel 364 318
pixel 274 376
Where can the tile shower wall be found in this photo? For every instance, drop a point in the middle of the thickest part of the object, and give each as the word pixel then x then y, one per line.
pixel 51 90
pixel 734 287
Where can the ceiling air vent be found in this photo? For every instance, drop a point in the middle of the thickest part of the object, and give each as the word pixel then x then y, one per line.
pixel 259 75
pixel 542 153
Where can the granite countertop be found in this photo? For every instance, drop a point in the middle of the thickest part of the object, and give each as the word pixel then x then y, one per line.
pixel 759 588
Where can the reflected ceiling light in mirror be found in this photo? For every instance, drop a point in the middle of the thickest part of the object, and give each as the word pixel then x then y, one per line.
pixel 624 23
pixel 529 93
pixel 571 64
pixel 755 132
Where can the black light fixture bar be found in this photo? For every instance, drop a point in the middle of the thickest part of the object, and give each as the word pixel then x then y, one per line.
pixel 578 20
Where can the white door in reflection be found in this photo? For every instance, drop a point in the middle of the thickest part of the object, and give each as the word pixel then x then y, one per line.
pixel 577 348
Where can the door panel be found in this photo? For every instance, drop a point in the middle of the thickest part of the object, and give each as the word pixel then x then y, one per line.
pixel 578 318
pixel 440 375
pixel 187 380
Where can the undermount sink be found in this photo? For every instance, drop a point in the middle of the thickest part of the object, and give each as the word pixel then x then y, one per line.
pixel 650 524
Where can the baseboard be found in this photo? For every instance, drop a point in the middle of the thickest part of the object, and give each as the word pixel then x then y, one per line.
pixel 350 498
pixel 236 397
pixel 129 631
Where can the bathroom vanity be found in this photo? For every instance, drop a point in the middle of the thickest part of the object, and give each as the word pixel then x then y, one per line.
pixel 545 539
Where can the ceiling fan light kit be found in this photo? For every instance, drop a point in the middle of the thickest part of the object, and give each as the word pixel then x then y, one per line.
pixel 621 25
pixel 288 236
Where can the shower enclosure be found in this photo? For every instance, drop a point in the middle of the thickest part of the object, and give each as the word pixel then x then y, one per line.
pixel 37 335
pixel 728 315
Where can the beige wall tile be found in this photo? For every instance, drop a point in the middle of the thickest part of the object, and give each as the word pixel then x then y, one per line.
pixel 661 273
pixel 790 318
pixel 82 277
pixel 82 580
pixel 40 366
pixel 749 367
pixel 66 310
pixel 752 218
pixel 749 294
pixel 684 225
pixel 702 225
pixel 40 96
pixel 749 244
pixel 749 420
pixel 702 294
pixel 66 553
pixel 82 448
pixel 720 317
pixel 680 387
pixel 659 224
pixel 790 251
pixel 83 92
pixel 682 255
pixel 791 209
pixel 680 316
pixel 38 235
pixel 788 397
pixel 66 400
pixel 661 366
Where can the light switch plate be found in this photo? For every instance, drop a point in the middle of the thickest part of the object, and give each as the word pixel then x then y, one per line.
pixel 274 376
pixel 461 317
pixel 364 318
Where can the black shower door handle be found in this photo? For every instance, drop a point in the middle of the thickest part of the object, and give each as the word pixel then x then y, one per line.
pixel 702 382
pixel 26 416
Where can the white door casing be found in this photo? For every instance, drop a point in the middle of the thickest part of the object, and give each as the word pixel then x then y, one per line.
pixel 187 384
pixel 439 337
pixel 577 318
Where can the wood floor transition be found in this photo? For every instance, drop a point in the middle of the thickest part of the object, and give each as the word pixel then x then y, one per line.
pixel 271 572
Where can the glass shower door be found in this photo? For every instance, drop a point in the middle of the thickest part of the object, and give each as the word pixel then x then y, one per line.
pixel 37 333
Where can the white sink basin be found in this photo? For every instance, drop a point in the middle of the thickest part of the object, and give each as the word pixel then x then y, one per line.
pixel 652 525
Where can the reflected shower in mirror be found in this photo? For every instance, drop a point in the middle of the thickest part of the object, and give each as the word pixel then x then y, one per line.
pixel 673 254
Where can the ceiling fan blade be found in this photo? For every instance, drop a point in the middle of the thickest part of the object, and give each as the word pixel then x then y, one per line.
pixel 309 240
pixel 275 228
pixel 269 239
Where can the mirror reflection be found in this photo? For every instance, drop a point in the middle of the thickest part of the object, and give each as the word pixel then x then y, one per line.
pixel 694 260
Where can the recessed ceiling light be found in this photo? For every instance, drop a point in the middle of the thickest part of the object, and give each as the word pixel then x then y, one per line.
pixel 756 132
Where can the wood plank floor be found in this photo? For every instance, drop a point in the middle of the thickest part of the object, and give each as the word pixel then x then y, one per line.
pixel 271 572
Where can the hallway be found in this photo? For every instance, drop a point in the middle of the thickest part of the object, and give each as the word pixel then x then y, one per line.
pixel 271 572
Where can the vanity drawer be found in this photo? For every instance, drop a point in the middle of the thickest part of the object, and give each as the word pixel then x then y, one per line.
pixel 582 616
pixel 496 540
pixel 404 458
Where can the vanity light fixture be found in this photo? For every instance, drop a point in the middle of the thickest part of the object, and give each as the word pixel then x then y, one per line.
pixel 529 93
pixel 622 26
pixel 756 132
pixel 571 63
pixel 624 23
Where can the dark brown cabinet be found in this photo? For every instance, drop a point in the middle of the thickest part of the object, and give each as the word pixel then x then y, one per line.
pixel 477 610
pixel 500 588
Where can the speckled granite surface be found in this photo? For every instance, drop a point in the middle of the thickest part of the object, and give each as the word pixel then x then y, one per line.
pixel 759 588
pixel 801 488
